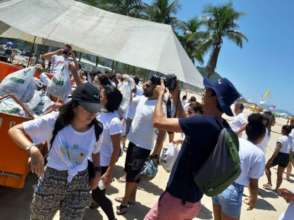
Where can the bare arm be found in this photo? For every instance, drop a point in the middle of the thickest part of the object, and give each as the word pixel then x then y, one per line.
pixel 160 120
pixel 18 135
pixel 180 112
pixel 75 74
pixel 96 160
pixel 49 55
pixel 253 188
pixel 96 163
pixel 107 177
pixel 159 143
pixel 241 129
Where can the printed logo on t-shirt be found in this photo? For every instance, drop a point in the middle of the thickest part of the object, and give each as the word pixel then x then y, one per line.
pixel 74 154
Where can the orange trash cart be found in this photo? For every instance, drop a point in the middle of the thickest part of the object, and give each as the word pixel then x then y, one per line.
pixel 7 68
pixel 13 160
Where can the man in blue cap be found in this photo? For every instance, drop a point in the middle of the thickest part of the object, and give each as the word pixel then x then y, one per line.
pixel 181 199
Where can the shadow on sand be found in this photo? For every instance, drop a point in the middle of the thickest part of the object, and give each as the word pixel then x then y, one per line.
pixel 150 188
pixel 264 205
pixel 15 203
pixel 205 213
pixel 92 214
pixel 137 212
pixel 118 172
pixel 267 194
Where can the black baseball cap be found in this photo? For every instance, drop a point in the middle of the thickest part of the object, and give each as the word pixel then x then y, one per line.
pixel 87 95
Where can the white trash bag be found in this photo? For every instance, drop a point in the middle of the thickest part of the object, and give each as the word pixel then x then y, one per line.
pixel 20 83
pixel 60 85
pixel 40 103
pixel 9 106
pixel 168 156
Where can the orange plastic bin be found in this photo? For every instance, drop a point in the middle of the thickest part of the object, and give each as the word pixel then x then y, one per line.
pixel 13 160
pixel 7 68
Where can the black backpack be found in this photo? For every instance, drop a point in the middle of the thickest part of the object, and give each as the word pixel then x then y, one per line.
pixel 59 125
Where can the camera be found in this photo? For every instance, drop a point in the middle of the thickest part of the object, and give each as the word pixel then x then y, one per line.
pixel 170 80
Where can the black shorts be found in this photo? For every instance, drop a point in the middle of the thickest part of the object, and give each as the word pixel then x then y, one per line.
pixel 282 160
pixel 135 159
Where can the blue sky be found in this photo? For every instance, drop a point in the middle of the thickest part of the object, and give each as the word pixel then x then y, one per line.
pixel 266 61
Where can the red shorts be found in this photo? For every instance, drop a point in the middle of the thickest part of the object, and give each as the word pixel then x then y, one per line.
pixel 171 208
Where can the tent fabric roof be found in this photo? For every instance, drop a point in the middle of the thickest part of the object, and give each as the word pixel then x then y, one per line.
pixel 125 39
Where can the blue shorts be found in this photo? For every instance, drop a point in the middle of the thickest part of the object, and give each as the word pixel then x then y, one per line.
pixel 230 200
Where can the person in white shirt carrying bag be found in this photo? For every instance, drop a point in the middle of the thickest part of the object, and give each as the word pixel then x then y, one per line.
pixel 72 136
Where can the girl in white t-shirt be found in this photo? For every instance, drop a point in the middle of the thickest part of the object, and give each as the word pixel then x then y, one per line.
pixel 280 157
pixel 110 145
pixel 71 135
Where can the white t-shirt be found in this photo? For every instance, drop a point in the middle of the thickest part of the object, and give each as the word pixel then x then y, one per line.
pixel 263 144
pixel 133 104
pixel 286 143
pixel 252 162
pixel 289 214
pixel 70 148
pixel 57 63
pixel 126 87
pixel 291 135
pixel 142 133
pixel 111 126
pixel 238 121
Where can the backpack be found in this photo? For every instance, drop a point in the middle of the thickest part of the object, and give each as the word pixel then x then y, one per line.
pixel 222 166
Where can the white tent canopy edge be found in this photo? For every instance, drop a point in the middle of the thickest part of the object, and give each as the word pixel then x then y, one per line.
pixel 125 39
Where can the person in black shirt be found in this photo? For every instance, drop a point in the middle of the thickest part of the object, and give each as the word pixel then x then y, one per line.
pixel 181 198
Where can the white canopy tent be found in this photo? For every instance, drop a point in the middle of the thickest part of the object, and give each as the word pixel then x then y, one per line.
pixel 125 39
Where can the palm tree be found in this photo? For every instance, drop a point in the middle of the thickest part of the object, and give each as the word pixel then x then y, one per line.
pixel 221 23
pixel 162 11
pixel 124 7
pixel 193 39
pixel 95 3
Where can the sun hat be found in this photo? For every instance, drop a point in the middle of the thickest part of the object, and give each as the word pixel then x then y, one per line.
pixel 225 91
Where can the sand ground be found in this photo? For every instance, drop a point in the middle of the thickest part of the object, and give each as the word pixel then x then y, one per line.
pixel 14 204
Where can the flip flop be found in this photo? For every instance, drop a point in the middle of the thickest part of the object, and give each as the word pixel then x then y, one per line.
pixel 120 199
pixel 122 179
pixel 121 209
pixel 267 186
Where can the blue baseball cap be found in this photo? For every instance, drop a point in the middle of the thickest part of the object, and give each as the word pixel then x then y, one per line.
pixel 225 91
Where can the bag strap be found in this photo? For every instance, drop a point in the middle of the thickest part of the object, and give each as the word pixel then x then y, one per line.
pixel 59 125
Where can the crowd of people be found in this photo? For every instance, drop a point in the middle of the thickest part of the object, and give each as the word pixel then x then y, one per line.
pixel 89 128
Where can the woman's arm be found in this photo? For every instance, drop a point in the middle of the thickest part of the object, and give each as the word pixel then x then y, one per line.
pixel 96 166
pixel 107 177
pixel 19 136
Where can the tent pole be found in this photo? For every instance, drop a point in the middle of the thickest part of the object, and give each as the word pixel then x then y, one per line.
pixel 97 60
pixel 80 56
pixel 32 50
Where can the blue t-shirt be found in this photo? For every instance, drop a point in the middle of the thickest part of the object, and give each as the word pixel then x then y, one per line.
pixel 201 137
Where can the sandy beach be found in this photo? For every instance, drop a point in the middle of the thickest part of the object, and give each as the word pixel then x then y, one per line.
pixel 14 204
